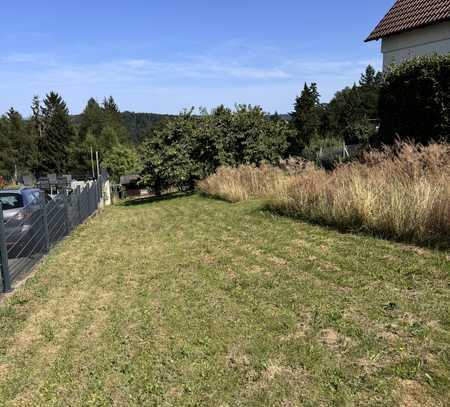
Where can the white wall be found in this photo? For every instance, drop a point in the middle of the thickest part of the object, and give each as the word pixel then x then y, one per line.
pixel 419 42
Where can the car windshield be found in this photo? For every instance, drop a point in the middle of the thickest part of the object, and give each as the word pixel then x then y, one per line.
pixel 11 200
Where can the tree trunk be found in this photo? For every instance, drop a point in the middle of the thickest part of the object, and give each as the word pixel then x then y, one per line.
pixel 158 187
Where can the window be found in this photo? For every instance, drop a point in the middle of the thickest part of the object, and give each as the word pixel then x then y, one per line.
pixel 11 201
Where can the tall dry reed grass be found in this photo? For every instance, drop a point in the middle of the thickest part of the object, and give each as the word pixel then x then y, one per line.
pixel 401 193
pixel 244 183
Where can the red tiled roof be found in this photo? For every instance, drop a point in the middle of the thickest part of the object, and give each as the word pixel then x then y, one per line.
pixel 406 15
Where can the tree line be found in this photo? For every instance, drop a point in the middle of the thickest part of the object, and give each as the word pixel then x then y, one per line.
pixel 51 141
pixel 191 146
pixel 178 150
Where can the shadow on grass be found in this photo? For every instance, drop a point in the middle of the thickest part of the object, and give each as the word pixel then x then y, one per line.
pixel 152 199
pixel 213 197
pixel 440 244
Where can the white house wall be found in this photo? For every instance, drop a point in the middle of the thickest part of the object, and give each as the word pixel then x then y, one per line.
pixel 419 42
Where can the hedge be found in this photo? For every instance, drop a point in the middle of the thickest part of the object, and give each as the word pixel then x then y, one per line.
pixel 414 101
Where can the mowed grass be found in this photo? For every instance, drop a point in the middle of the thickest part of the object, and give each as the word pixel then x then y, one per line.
pixel 197 302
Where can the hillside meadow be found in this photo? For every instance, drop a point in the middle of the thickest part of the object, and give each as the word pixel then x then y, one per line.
pixel 186 300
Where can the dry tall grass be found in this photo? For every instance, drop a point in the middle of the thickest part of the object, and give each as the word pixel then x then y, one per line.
pixel 401 193
pixel 244 183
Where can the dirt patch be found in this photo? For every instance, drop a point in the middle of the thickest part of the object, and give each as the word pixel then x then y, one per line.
pixel 278 261
pixel 390 337
pixel 410 393
pixel 327 266
pixel 333 339
pixel 417 250
pixel 236 358
pixel 208 259
pixel 300 243
pixel 3 370
pixel 255 269
pixel 301 330
pixel 275 372
pixel 329 337
pixel 371 364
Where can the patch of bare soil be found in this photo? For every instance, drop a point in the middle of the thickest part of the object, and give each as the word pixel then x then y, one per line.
pixel 296 379
pixel 410 393
pixel 278 261
pixel 236 358
pixel 333 339
pixel 301 329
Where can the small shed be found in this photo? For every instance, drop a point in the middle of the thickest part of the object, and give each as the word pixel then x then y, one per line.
pixel 131 185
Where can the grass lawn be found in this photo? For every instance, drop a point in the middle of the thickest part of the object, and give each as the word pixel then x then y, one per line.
pixel 197 302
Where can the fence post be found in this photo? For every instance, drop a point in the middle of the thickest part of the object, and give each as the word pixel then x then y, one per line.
pixel 89 199
pixel 96 195
pixel 6 277
pixel 100 191
pixel 45 221
pixel 80 215
pixel 66 210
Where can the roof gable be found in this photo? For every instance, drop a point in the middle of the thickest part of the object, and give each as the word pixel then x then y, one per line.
pixel 406 15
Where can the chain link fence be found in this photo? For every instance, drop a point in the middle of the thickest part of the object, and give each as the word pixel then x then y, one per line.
pixel 31 232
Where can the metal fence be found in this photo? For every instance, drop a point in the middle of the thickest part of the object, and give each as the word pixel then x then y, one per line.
pixel 31 232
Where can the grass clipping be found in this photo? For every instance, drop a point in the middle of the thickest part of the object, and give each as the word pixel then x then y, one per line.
pixel 401 192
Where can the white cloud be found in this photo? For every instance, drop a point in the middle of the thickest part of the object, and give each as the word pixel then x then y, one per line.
pixel 28 58
pixel 195 80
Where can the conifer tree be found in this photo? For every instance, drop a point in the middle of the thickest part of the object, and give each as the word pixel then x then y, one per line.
pixel 57 136
pixel 370 78
pixel 8 153
pixel 305 118
pixel 92 120
pixel 113 131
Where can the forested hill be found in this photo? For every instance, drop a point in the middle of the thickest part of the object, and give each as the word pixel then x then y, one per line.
pixel 137 124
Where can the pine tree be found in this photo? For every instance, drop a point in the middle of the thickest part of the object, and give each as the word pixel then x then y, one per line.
pixel 368 77
pixel 8 151
pixel 111 112
pixel 369 89
pixel 57 136
pixel 101 129
pixel 110 105
pixel 88 138
pixel 23 143
pixel 305 118
pixel 113 121
pixel 92 120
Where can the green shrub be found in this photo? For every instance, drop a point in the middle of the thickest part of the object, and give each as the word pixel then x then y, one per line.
pixel 121 160
pixel 190 147
pixel 414 101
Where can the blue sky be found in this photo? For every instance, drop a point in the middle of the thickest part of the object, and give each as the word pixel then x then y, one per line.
pixel 163 56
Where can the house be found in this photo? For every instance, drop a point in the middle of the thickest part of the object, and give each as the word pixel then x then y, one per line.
pixel 413 28
pixel 130 183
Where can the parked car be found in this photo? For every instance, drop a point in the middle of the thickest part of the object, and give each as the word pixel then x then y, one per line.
pixel 21 214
